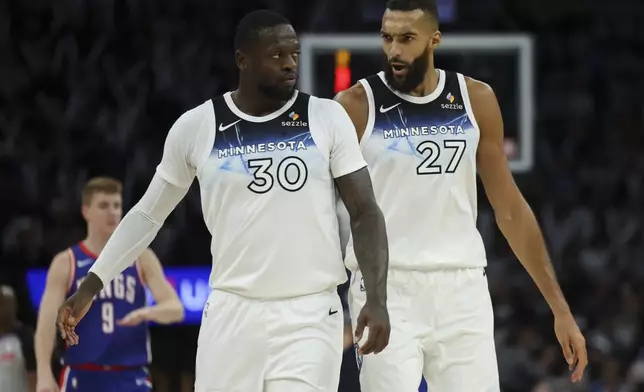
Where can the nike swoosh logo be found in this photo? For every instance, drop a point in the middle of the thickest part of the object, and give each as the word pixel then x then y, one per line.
pixel 332 312
pixel 385 110
pixel 84 263
pixel 223 128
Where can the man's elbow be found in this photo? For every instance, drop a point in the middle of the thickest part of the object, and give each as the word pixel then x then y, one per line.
pixel 510 212
pixel 368 212
pixel 168 310
pixel 181 313
pixel 178 311
pixel 156 221
pixel 46 324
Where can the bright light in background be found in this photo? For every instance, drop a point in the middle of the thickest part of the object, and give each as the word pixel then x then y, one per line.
pixel 511 148
pixel 342 70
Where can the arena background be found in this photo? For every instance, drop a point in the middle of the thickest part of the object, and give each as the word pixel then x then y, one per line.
pixel 91 88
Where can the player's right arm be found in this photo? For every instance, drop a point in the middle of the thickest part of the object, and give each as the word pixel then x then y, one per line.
pixel 186 147
pixel 354 101
pixel 56 287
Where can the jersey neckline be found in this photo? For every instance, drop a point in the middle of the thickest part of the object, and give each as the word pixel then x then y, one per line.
pixel 258 119
pixel 424 99
pixel 83 247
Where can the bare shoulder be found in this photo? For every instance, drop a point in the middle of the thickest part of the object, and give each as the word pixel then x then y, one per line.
pixel 60 268
pixel 353 95
pixel 486 110
pixel 484 105
pixel 61 260
pixel 355 103
pixel 479 90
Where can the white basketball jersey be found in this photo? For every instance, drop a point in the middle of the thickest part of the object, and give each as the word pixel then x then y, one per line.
pixel 268 194
pixel 421 153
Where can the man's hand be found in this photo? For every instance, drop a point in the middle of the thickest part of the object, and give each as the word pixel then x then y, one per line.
pixel 371 249
pixel 76 307
pixel 71 313
pixel 572 344
pixel 518 223
pixel 376 318
pixel 135 317
pixel 46 384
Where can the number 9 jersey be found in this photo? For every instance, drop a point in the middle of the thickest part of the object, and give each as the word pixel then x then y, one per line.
pixel 421 153
pixel 267 191
pixel 104 342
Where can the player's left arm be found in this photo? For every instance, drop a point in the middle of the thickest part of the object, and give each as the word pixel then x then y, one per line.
pixel 517 222
pixel 367 222
pixel 168 308
pixel 353 182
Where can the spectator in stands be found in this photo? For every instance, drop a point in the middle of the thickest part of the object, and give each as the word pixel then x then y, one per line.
pixel 85 88
pixel 17 357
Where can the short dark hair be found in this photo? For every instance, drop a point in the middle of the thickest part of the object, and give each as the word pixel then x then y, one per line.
pixel 252 24
pixel 427 6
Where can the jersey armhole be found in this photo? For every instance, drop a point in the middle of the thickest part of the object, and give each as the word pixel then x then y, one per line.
pixel 323 136
pixel 371 112
pixel 202 156
pixel 139 272
pixel 72 269
pixel 466 101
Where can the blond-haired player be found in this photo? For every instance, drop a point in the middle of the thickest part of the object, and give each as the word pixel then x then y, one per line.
pixel 116 350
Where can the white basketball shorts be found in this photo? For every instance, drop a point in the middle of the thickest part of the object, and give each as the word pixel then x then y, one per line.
pixel 251 345
pixel 442 327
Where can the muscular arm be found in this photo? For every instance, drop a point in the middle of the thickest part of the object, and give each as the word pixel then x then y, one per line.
pixel 356 186
pixel 366 220
pixel 513 214
pixel 168 308
pixel 369 232
pixel 56 288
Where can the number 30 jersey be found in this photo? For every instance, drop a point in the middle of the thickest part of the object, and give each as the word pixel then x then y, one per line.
pixel 421 153
pixel 267 191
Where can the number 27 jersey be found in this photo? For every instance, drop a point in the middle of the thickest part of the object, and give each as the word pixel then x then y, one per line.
pixel 267 191
pixel 421 153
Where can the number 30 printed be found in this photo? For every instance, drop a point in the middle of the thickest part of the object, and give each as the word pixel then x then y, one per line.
pixel 291 174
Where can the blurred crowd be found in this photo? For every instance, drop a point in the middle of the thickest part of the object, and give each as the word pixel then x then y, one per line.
pixel 91 88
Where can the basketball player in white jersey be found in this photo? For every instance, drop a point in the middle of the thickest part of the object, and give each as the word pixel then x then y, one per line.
pixel 268 159
pixel 425 133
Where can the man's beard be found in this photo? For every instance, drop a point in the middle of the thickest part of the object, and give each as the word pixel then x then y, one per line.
pixel 415 73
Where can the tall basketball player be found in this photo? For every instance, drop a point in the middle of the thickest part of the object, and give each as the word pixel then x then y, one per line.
pixel 116 348
pixel 425 133
pixel 268 159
